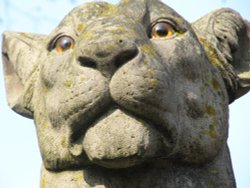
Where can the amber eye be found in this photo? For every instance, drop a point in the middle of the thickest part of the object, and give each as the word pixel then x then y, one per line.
pixel 64 43
pixel 162 30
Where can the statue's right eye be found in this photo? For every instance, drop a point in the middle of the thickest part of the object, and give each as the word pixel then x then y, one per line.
pixel 64 43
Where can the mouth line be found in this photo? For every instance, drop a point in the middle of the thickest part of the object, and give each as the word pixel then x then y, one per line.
pixel 77 135
pixel 79 131
pixel 149 162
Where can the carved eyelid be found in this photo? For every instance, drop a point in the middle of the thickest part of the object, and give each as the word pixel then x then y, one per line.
pixel 167 20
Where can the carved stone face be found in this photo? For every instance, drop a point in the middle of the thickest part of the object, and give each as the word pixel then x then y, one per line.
pixel 122 96
pixel 120 85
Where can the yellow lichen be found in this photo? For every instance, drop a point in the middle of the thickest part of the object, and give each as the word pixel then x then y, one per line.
pixel 45 88
pixel 88 35
pixel 68 83
pixel 78 178
pixel 45 125
pixel 119 28
pixel 150 73
pixel 64 142
pixel 109 10
pixel 82 79
pixel 211 132
pixel 212 112
pixel 153 83
pixel 80 27
pixel 148 50
pixel 43 182
pixel 28 95
pixel 212 55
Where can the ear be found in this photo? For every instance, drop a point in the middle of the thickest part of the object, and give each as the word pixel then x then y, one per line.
pixel 21 53
pixel 226 40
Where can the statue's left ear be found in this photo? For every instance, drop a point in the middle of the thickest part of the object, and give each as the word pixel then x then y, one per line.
pixel 225 36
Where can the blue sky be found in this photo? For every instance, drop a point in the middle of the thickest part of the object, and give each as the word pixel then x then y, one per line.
pixel 20 160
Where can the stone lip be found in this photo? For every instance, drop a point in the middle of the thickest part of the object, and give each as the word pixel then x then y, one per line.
pixel 121 140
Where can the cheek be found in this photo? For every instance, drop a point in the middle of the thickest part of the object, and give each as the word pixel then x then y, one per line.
pixel 203 116
pixel 54 68
pixel 76 96
pixel 202 104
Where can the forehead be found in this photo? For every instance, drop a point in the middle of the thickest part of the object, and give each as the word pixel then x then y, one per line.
pixel 140 11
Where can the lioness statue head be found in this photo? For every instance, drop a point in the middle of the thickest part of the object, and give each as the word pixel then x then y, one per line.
pixel 131 95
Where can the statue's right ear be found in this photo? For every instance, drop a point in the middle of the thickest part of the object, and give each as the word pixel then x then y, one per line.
pixel 21 53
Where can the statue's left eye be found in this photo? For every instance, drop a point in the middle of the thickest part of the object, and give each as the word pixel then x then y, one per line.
pixel 64 43
pixel 162 30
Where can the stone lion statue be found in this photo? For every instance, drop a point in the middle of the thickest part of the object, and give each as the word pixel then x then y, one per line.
pixel 131 95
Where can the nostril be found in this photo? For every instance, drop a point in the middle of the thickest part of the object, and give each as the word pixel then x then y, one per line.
pixel 125 56
pixel 87 62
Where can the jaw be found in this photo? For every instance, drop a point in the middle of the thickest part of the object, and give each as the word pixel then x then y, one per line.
pixel 121 141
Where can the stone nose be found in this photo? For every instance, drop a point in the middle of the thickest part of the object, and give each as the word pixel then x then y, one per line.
pixel 107 56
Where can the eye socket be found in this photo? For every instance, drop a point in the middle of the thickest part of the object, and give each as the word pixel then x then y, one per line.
pixel 162 30
pixel 64 43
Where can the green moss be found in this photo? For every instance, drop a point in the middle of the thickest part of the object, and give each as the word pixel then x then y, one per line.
pixel 212 132
pixel 209 182
pixel 210 185
pixel 210 110
pixel 215 84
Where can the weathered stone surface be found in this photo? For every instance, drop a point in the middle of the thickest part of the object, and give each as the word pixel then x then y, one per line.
pixel 131 95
